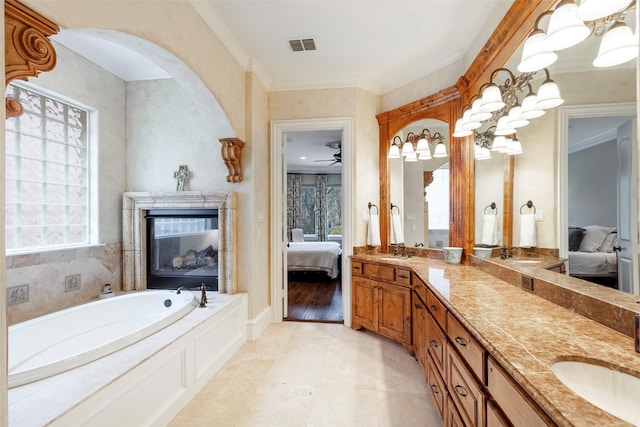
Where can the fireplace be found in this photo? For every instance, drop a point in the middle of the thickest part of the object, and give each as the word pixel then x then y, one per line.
pixel 182 248
pixel 195 242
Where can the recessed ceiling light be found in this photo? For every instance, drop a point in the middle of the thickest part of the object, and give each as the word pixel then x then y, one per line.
pixel 303 158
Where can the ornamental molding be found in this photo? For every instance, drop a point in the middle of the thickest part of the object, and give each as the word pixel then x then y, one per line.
pixel 28 50
pixel 232 155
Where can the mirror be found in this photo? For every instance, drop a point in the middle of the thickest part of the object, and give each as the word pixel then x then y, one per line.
pixel 489 195
pixel 419 192
pixel 546 150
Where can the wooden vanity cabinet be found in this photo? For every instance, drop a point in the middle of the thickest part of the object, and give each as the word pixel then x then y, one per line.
pixel 419 329
pixel 381 300
pixel 512 400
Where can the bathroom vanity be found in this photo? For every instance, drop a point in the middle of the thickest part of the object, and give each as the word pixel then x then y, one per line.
pixel 486 343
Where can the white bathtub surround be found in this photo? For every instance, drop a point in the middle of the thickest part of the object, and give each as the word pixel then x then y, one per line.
pixel 134 232
pixel 60 341
pixel 146 383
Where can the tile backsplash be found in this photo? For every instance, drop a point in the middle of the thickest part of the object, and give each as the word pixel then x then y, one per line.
pixel 44 282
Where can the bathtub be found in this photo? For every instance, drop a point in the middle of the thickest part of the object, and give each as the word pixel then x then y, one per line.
pixel 58 342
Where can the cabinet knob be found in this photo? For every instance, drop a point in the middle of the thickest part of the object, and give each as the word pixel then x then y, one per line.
pixel 434 389
pixel 461 341
pixel 434 344
pixel 434 308
pixel 417 306
pixel 461 390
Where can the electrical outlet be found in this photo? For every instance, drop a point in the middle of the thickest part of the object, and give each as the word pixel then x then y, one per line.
pixel 17 294
pixel 527 282
pixel 72 283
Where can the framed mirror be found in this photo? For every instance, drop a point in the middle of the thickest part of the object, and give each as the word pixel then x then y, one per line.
pixel 419 193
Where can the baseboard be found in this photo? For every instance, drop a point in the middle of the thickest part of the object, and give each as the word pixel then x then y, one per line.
pixel 257 325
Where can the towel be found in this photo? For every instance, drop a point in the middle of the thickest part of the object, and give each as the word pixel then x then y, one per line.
pixel 527 230
pixel 373 233
pixel 397 236
pixel 489 230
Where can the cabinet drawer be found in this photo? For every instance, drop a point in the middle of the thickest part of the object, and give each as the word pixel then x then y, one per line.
pixel 513 401
pixel 356 267
pixel 438 311
pixel 437 387
pixel 465 390
pixel 403 277
pixel 495 418
pixel 379 271
pixel 419 288
pixel 472 352
pixel 437 343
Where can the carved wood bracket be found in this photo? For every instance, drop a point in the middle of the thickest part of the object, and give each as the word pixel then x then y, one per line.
pixel 232 155
pixel 28 50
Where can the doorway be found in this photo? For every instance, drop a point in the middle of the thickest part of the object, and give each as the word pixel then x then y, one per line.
pixel 601 144
pixel 314 224
pixel 283 136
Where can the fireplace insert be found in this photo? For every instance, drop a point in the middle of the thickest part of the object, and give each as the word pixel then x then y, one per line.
pixel 182 248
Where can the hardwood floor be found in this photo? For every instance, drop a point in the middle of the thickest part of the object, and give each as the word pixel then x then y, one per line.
pixel 314 297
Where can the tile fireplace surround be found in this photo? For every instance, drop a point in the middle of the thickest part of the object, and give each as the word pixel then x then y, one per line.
pixel 134 232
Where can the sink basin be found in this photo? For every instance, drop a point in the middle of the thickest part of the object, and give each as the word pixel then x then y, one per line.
pixel 612 391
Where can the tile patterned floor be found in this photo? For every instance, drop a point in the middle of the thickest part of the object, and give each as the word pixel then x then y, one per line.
pixel 313 375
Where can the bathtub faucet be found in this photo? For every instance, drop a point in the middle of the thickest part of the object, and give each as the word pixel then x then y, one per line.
pixel 181 288
pixel 203 297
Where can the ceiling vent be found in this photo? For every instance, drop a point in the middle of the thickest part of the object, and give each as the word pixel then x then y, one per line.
pixel 301 45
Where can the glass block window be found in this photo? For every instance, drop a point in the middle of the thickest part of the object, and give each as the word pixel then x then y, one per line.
pixel 46 155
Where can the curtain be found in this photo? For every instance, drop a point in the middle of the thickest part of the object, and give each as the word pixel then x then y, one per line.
pixel 321 207
pixel 294 213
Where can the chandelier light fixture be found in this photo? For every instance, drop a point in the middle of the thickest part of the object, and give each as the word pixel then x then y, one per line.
pixel 569 24
pixel 499 102
pixel 416 147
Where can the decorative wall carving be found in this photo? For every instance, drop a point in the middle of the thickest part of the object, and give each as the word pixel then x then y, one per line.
pixel 232 155
pixel 28 51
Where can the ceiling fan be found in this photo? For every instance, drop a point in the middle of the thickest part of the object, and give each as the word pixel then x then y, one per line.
pixel 337 157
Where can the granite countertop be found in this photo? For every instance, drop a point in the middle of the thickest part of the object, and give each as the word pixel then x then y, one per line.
pixel 526 334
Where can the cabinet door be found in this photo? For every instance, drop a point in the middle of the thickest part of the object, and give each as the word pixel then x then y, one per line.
pixel 495 417
pixel 364 305
pixel 419 329
pixel 394 318
pixel 437 388
pixel 437 343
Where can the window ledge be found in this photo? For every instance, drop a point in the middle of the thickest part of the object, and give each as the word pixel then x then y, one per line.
pixel 49 255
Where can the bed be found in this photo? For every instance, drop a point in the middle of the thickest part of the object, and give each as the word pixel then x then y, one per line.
pixel 314 256
pixel 591 253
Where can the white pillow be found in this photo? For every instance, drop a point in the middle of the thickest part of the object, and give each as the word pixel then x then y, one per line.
pixel 609 242
pixel 594 237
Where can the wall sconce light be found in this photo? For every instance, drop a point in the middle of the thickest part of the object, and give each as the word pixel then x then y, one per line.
pixel 618 46
pixel 416 147
pixel 489 140
pixel 394 150
pixel 512 114
pixel 565 29
pixel 535 54
pixel 570 24
pixel 549 94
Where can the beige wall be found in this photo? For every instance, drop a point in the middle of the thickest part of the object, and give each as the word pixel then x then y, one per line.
pixel 4 420
pixel 176 27
pixel 361 106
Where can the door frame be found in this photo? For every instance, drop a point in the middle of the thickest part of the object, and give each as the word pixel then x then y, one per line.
pixel 279 128
pixel 583 111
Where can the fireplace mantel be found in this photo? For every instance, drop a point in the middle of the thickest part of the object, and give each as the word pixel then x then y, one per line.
pixel 134 240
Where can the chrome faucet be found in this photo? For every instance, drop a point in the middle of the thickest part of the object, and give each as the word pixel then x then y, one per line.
pixel 181 288
pixel 203 296
pixel 506 253
pixel 417 245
